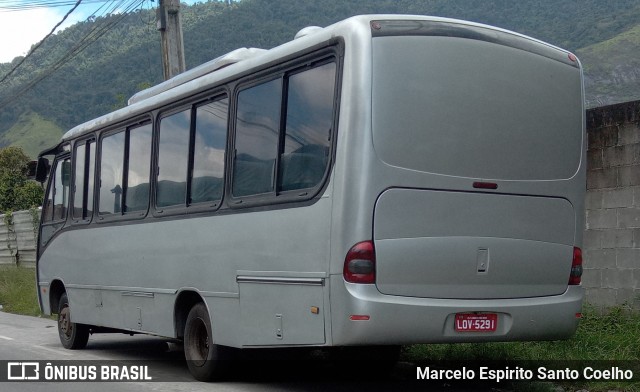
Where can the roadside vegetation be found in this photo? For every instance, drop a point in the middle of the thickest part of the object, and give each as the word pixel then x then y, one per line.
pixel 18 290
pixel 16 191
pixel 614 336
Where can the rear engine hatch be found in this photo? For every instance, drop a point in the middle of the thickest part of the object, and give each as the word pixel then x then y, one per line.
pixel 466 245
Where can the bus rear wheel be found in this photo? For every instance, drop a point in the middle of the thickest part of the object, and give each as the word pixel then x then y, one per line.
pixel 73 336
pixel 205 359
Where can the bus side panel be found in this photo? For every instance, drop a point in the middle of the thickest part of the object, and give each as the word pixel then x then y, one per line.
pixel 122 308
pixel 282 314
pixel 136 270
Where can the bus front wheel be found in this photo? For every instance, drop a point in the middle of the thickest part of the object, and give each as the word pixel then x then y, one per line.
pixel 73 336
pixel 205 359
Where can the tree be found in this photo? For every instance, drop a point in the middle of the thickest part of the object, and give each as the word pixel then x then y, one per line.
pixel 16 191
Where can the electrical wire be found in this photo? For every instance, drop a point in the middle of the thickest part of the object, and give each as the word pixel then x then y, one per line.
pixel 12 5
pixel 87 40
pixel 12 70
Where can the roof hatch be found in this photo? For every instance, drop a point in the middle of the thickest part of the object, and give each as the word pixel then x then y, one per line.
pixel 220 62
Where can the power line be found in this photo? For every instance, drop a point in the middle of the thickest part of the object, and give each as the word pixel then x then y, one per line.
pixel 41 42
pixel 87 40
pixel 11 5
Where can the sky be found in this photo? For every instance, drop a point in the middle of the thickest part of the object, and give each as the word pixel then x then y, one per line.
pixel 19 30
pixel 26 28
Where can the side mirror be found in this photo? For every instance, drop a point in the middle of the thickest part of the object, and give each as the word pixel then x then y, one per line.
pixel 42 169
pixel 31 169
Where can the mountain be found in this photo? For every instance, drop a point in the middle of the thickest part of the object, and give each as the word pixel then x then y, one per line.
pixel 32 133
pixel 92 67
pixel 612 69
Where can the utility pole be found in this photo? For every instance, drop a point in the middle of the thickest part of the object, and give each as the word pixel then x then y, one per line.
pixel 169 23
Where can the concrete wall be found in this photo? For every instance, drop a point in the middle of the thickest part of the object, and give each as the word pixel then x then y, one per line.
pixel 612 236
pixel 8 245
pixel 18 233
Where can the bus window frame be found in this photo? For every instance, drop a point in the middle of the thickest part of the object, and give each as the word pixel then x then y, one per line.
pixel 56 224
pixel 162 114
pixel 214 204
pixel 54 168
pixel 330 54
pixel 212 95
pixel 84 142
pixel 124 127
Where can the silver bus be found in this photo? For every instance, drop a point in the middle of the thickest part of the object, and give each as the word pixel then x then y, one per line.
pixel 386 180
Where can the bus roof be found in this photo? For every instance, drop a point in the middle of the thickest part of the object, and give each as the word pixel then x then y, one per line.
pixel 242 61
pixel 201 70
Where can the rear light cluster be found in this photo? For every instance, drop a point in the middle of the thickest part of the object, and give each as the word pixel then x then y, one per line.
pixel 576 267
pixel 360 263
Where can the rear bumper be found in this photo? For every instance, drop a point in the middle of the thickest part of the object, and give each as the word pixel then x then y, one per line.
pixel 408 320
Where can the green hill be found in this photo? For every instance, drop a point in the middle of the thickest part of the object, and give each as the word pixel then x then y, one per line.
pixel 87 69
pixel 33 133
pixel 612 68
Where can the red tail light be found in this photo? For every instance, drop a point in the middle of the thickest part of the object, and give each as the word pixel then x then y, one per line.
pixel 576 267
pixel 360 263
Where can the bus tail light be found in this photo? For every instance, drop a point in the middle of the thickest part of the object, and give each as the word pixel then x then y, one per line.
pixel 360 263
pixel 576 267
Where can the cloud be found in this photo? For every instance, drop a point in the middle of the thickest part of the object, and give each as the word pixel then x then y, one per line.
pixel 22 29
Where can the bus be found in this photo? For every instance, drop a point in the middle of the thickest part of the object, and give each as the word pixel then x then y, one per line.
pixel 386 180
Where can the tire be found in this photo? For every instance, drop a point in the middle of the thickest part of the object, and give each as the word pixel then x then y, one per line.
pixel 73 336
pixel 206 361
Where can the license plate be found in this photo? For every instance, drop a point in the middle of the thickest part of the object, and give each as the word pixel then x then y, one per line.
pixel 471 322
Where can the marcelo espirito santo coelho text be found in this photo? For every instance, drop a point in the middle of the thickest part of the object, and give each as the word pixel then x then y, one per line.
pixel 517 373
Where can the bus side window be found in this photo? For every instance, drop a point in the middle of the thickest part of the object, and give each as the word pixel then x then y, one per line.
pixel 209 152
pixel 56 204
pixel 47 209
pixel 294 136
pixel 138 169
pixel 309 119
pixel 173 154
pixel 111 172
pixel 125 164
pixel 79 160
pixel 83 180
pixel 61 189
pixel 256 144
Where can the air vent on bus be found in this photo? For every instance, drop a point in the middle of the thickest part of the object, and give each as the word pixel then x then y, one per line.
pixel 201 70
pixel 307 31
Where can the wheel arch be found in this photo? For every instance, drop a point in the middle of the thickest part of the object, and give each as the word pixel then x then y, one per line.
pixel 56 289
pixel 185 300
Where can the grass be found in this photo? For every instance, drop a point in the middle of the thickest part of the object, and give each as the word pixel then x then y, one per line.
pixel 33 133
pixel 614 336
pixel 18 290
